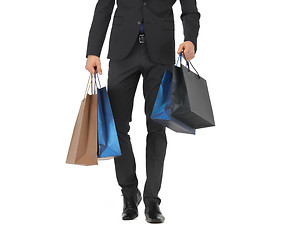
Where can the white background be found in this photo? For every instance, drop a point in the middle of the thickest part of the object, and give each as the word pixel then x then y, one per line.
pixel 230 181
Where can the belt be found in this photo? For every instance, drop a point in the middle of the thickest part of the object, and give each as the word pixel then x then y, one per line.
pixel 141 38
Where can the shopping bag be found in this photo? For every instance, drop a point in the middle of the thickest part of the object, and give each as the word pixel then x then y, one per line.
pixel 83 146
pixel 161 112
pixel 190 97
pixel 108 142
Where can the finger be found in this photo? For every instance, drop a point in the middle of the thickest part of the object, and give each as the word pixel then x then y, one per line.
pixel 191 56
pixel 179 51
pixel 92 70
pixel 180 48
pixel 187 55
pixel 184 55
pixel 100 70
pixel 88 68
pixel 97 69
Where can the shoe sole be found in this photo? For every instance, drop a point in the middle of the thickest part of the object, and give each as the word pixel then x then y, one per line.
pixel 130 218
pixel 154 220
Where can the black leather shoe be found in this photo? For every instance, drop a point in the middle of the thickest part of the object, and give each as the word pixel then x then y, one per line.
pixel 130 206
pixel 153 213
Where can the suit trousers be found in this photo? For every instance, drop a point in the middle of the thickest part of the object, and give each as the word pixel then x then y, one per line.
pixel 123 77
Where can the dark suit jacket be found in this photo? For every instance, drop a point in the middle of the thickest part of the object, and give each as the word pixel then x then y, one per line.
pixel 159 27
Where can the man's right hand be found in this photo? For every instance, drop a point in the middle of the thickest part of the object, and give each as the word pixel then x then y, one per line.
pixel 92 62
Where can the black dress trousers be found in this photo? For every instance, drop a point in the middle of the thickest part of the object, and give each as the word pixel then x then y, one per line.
pixel 123 77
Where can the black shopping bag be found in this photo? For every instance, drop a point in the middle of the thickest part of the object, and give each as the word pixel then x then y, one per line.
pixel 190 97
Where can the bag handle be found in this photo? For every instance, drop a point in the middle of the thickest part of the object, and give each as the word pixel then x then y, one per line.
pixel 182 52
pixel 96 73
pixel 87 88
pixel 93 86
pixel 180 58
pixel 91 81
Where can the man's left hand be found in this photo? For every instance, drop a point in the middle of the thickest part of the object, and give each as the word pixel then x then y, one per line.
pixel 188 49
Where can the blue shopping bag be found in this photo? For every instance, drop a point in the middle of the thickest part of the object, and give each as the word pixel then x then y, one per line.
pixel 108 142
pixel 161 112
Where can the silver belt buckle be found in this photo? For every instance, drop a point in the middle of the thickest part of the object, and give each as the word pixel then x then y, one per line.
pixel 141 38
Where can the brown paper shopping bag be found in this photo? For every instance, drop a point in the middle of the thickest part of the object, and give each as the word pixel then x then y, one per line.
pixel 84 142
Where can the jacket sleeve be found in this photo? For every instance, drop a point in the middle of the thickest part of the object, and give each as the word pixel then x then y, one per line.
pixel 99 26
pixel 190 21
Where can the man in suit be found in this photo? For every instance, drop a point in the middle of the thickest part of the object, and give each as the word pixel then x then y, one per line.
pixel 141 42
